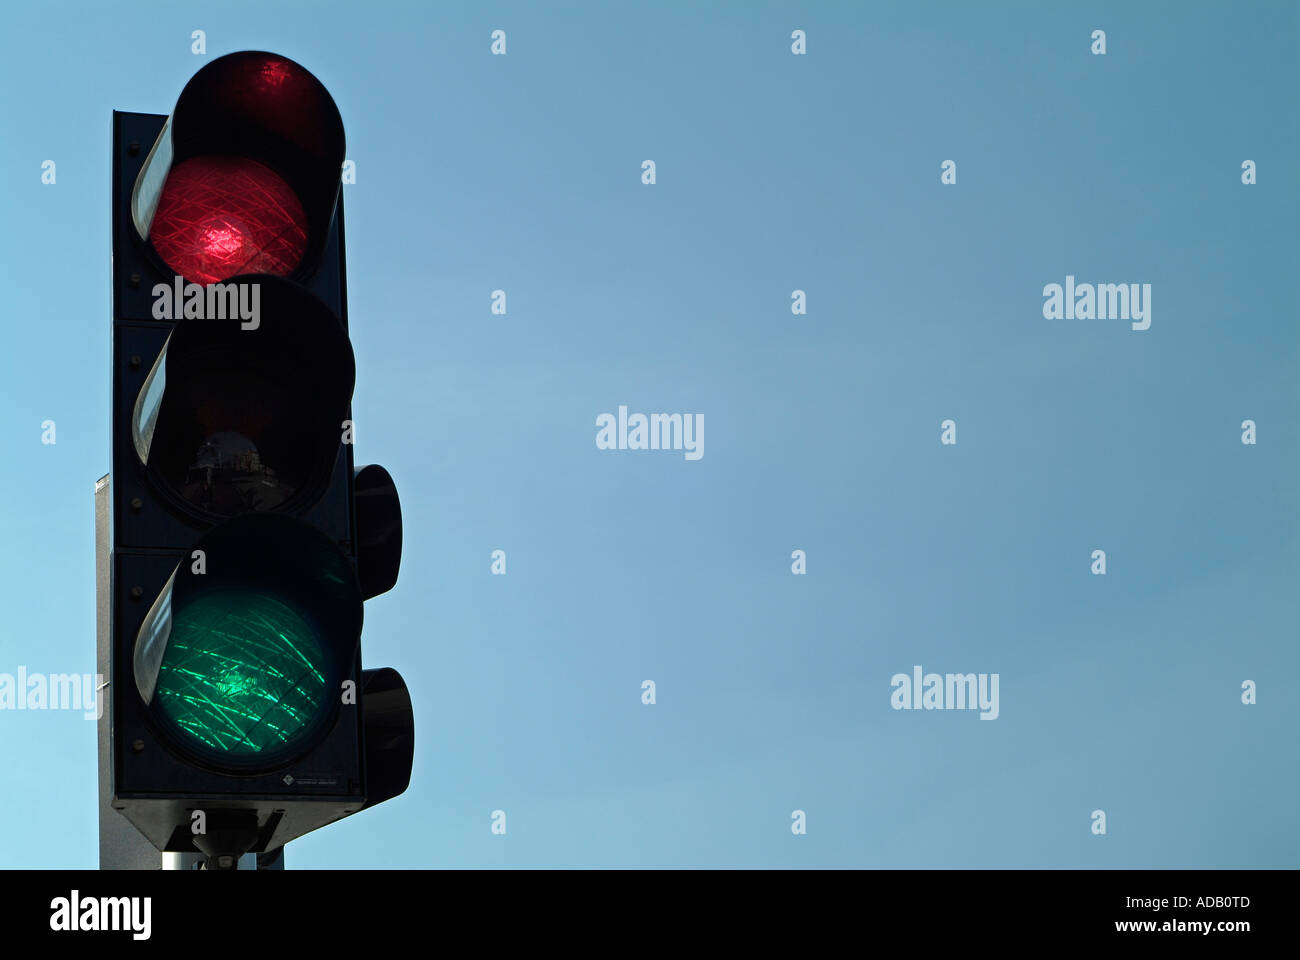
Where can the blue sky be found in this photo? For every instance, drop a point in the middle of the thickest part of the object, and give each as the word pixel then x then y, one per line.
pixel 775 172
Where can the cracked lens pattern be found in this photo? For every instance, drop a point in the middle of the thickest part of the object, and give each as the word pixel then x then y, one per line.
pixel 220 216
pixel 241 674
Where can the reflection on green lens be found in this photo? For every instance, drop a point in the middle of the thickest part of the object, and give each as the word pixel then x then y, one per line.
pixel 242 675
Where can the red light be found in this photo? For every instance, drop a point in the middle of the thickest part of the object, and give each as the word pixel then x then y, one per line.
pixel 275 73
pixel 219 216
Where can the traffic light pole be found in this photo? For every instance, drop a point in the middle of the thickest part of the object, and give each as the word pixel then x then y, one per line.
pixel 197 861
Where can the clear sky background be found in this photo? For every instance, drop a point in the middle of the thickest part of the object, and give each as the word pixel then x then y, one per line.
pixel 775 172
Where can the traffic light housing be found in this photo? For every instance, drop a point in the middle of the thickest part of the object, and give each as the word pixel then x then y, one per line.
pixel 243 539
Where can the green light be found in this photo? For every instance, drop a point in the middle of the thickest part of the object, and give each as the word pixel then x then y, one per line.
pixel 242 676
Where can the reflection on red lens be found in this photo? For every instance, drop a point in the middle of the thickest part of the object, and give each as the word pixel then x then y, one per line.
pixel 219 216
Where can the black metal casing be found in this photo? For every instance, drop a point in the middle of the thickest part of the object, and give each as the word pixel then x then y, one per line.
pixel 152 784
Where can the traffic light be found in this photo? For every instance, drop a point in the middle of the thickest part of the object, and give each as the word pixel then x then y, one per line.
pixel 243 540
